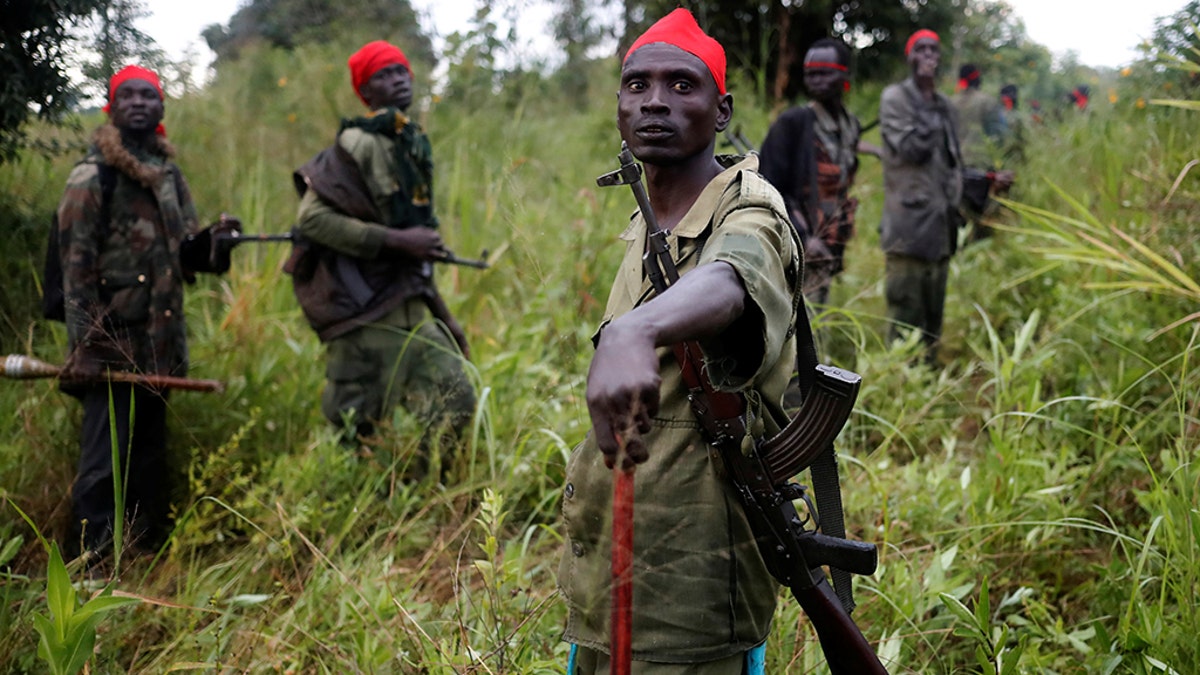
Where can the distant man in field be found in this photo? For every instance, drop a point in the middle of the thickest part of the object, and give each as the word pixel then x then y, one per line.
pixel 703 599
pixel 922 182
pixel 365 279
pixel 984 131
pixel 810 155
pixel 128 239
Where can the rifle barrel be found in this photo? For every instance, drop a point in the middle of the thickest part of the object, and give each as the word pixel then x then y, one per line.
pixel 21 367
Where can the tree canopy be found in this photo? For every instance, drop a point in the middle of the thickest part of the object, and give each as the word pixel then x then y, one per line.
pixel 287 23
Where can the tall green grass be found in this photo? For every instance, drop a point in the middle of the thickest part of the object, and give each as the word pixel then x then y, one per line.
pixel 1051 456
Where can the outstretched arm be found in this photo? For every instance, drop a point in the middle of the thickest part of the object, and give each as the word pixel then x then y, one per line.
pixel 623 381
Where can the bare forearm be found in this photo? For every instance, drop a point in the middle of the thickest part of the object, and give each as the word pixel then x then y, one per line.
pixel 700 305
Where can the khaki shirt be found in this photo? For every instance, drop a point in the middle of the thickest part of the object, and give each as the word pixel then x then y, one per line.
pixel 701 591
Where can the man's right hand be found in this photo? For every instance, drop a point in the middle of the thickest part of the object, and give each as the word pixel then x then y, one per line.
pixel 622 392
pixel 421 243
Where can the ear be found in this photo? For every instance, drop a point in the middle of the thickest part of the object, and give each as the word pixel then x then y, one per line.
pixel 724 111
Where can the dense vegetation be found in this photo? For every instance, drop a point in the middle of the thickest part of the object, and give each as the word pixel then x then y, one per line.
pixel 1034 500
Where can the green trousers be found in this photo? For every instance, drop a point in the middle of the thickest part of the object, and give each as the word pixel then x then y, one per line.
pixel 916 298
pixel 591 662
pixel 406 359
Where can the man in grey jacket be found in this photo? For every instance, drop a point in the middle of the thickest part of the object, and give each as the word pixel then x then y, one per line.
pixel 922 182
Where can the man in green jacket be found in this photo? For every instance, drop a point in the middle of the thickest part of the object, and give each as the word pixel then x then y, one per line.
pixel 984 130
pixel 703 599
pixel 128 239
pixel 922 184
pixel 365 282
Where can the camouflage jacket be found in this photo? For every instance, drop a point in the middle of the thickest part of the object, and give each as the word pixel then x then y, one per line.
pixel 122 276
pixel 837 164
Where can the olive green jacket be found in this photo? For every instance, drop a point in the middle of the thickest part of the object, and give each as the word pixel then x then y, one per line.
pixel 701 590
pixel 922 173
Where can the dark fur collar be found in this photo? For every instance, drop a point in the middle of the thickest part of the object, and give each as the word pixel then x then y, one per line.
pixel 108 141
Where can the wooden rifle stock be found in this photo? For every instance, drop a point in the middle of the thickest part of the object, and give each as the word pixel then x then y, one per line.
pixel 22 367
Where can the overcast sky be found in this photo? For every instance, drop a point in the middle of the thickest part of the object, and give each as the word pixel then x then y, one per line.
pixel 1103 32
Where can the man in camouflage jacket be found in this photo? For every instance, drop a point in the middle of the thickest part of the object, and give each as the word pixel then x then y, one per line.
pixel 128 239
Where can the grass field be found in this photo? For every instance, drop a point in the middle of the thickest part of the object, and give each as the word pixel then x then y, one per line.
pixel 1034 500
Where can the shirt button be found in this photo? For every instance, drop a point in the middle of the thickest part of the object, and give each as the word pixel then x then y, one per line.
pixel 167 313
pixel 141 278
pixel 577 549
pixel 570 490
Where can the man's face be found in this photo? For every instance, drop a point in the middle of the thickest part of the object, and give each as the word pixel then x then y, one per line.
pixel 668 108
pixel 136 106
pixel 925 57
pixel 390 86
pixel 823 84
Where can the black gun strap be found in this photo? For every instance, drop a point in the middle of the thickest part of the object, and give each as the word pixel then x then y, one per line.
pixel 826 483
pixel 824 470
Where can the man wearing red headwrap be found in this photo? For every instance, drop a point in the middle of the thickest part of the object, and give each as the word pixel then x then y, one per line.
pixel 922 183
pixel 703 598
pixel 127 239
pixel 364 276
pixel 983 133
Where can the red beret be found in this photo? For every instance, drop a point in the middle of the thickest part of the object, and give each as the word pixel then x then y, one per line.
pixel 679 28
pixel 373 57
pixel 133 73
pixel 920 35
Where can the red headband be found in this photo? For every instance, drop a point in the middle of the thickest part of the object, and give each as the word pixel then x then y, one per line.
pixel 373 57
pixel 921 34
pixel 133 73
pixel 679 29
pixel 826 64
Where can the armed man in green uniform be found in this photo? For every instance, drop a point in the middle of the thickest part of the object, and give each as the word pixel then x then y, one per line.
pixel 922 186
pixel 703 599
pixel 128 239
pixel 364 278
pixel 983 132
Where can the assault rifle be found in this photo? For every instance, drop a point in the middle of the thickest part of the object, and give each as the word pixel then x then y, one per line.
pixel 21 367
pixel 228 241
pixel 738 141
pixel 760 470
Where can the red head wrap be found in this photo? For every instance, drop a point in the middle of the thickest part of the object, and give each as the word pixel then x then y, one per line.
pixel 920 35
pixel 133 73
pixel 679 28
pixel 373 57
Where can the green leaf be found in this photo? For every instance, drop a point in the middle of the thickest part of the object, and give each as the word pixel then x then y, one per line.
pixel 81 641
pixel 959 610
pixel 985 662
pixel 1010 660
pixel 103 603
pixel 10 549
pixel 50 646
pixel 60 594
pixel 983 613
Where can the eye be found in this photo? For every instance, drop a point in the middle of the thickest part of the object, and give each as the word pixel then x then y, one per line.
pixel 635 85
pixel 682 86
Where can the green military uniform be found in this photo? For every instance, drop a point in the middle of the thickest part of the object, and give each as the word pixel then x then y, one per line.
pixel 922 184
pixel 387 350
pixel 982 128
pixel 701 591
pixel 125 253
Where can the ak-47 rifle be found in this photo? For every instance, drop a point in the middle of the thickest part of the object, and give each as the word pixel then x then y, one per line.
pixel 761 469
pixel 738 141
pixel 232 239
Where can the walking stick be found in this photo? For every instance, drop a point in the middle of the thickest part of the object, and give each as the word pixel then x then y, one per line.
pixel 621 614
pixel 20 367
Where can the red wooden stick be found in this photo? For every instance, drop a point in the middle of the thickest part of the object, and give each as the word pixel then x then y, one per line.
pixel 621 629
